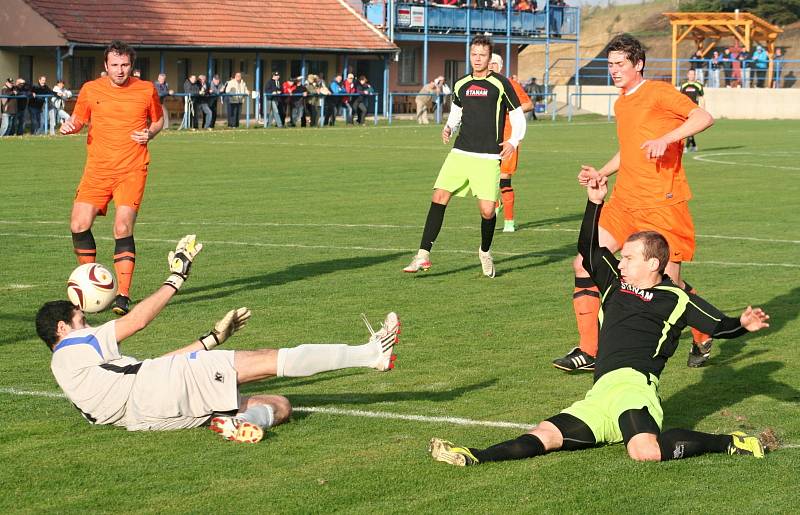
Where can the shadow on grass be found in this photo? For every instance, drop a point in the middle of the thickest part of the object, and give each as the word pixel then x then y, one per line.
pixel 734 147
pixel 293 273
pixel 574 217
pixel 14 333
pixel 722 385
pixel 557 255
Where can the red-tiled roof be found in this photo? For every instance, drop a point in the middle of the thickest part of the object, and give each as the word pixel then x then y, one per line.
pixel 268 24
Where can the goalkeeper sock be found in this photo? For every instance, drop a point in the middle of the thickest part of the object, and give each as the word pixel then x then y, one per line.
pixel 124 263
pixel 487 232
pixel 586 302
pixel 433 224
pixel 507 193
pixel 525 446
pixel 309 359
pixel 85 247
pixel 261 415
pixel 676 444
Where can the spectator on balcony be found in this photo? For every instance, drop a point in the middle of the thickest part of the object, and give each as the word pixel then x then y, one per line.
pixel 556 17
pixel 299 95
pixel 727 67
pixel 288 89
pixel 777 60
pixel 347 102
pixel 9 108
pixel 760 62
pixel 191 107
pixel 334 102
pixel 24 94
pixel 715 70
pixel 325 93
pixel 272 88
pixel 746 64
pixel 698 64
pixel 736 66
pixel 37 104
pixel 57 104
pixel 525 5
pixel 214 93
pixel 163 90
pixel 426 97
pixel 313 88
pixel 236 87
pixel 202 102
pixel 365 92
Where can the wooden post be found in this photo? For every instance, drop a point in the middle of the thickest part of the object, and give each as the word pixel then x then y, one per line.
pixel 674 53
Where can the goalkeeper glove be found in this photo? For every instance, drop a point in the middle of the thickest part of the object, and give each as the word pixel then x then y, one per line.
pixel 180 260
pixel 233 320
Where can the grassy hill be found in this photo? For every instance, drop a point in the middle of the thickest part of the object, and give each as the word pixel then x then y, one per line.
pixel 645 21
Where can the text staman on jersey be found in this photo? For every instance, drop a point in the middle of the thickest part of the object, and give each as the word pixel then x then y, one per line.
pixel 645 295
pixel 477 91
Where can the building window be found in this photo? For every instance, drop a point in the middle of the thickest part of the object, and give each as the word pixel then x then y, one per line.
pixel 279 65
pixel 225 69
pixel 184 69
pixel 318 67
pixel 243 67
pixel 143 65
pixel 453 70
pixel 407 67
pixel 84 70
pixel 26 68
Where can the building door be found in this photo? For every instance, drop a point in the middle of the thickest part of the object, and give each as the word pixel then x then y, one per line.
pixel 453 70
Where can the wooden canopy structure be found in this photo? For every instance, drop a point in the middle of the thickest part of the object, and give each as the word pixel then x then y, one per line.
pixel 747 28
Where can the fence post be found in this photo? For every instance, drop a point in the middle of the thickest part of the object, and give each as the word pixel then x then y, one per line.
pixel 264 110
pixel 321 114
pixel 375 96
pixel 247 112
pixel 439 108
pixel 46 115
pixel 391 106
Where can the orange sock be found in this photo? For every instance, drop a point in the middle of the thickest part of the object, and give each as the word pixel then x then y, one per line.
pixel 508 202
pixel 586 302
pixel 84 246
pixel 124 263
pixel 697 336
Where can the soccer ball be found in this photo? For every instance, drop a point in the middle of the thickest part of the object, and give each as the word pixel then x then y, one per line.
pixel 91 287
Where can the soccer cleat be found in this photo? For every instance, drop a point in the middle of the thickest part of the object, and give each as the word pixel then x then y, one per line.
pixel 385 338
pixel 122 305
pixel 498 207
pixel 508 226
pixel 418 263
pixel 446 452
pixel 746 445
pixel 699 353
pixel 575 359
pixel 236 430
pixel 487 262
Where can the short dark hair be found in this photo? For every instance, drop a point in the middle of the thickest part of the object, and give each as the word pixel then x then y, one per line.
pixel 49 316
pixel 119 48
pixel 654 245
pixel 630 46
pixel 482 40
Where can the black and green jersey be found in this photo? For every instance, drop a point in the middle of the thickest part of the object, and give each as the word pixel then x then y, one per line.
pixel 693 90
pixel 639 328
pixel 484 104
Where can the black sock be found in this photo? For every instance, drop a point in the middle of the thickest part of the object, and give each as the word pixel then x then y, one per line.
pixel 84 245
pixel 487 232
pixel 677 444
pixel 433 224
pixel 525 446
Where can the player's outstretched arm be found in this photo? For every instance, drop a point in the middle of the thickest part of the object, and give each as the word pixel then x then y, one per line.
pixel 180 263
pixel 589 172
pixel 699 120
pixel 233 321
pixel 754 319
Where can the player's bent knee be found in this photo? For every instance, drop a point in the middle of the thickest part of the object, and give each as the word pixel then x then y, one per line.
pixel 577 267
pixel 644 447
pixel 281 407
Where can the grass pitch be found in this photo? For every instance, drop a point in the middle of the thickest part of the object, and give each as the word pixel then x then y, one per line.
pixel 311 227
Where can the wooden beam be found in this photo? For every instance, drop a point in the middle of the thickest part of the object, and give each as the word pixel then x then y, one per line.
pixel 683 36
pixel 675 54
pixel 735 33
pixel 770 53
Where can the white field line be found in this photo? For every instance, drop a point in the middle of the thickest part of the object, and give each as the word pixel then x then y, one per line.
pixel 369 226
pixel 458 421
pixel 332 411
pixel 382 249
pixel 706 158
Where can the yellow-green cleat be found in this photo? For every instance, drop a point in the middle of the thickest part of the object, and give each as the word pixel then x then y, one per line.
pixel 446 452
pixel 746 445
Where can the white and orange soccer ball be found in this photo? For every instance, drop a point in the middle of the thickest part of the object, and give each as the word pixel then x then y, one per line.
pixel 91 287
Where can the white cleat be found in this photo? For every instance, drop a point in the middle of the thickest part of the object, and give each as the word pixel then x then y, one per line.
pixel 236 430
pixel 509 226
pixel 487 262
pixel 422 261
pixel 385 338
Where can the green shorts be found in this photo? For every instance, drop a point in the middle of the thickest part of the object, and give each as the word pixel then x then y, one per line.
pixel 461 173
pixel 613 394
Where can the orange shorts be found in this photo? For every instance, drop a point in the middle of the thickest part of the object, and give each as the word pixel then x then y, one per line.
pixel 673 222
pixel 509 164
pixel 127 189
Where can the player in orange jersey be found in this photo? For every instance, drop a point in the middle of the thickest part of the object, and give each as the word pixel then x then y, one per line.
pixel 651 191
pixel 125 114
pixel 508 165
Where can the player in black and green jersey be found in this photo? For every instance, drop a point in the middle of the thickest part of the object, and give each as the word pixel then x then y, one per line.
pixel 642 315
pixel 481 100
pixel 694 90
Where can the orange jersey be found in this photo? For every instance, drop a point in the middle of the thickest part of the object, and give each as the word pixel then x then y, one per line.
pixel 114 113
pixel 523 99
pixel 651 111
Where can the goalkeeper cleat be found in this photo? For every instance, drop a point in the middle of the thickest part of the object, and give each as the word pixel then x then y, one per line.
pixel 509 226
pixel 122 305
pixel 575 359
pixel 446 452
pixel 421 261
pixel 385 338
pixel 487 262
pixel 699 353
pixel 236 430
pixel 746 445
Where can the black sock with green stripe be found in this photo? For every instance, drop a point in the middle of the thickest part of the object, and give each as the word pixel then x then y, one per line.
pixel 525 446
